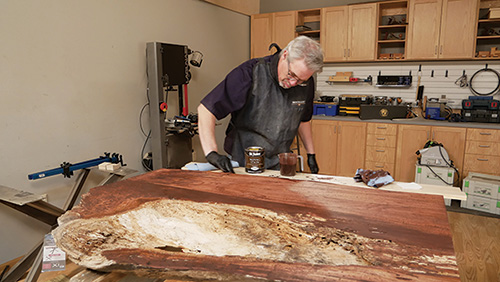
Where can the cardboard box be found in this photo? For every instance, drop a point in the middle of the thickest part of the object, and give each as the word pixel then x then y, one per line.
pixel 481 204
pixel 483 185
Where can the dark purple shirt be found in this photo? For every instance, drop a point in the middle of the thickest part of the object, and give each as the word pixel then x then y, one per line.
pixel 231 94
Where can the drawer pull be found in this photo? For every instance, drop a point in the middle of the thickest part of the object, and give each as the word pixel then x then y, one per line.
pixel 482 160
pixel 381 151
pixel 484 146
pixel 381 127
pixel 484 133
pixel 380 138
pixel 379 166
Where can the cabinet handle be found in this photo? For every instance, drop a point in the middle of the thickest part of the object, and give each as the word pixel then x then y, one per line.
pixel 482 160
pixel 428 135
pixel 381 127
pixel 435 50
pixel 441 51
pixel 348 53
pixel 433 135
pixel 380 138
pixel 345 53
pixel 484 146
pixel 335 129
pixel 339 129
pixel 379 166
pixel 484 133
pixel 380 151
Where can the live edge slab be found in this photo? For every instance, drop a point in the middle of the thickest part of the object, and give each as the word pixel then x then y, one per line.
pixel 199 226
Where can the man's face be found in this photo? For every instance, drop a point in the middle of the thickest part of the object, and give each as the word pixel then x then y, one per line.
pixel 292 73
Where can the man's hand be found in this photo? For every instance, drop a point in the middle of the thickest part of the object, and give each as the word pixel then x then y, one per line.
pixel 220 161
pixel 313 165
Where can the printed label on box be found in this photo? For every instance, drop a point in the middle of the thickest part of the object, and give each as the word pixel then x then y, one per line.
pixel 54 259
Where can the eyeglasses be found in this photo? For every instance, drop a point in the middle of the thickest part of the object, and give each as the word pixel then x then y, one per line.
pixel 293 77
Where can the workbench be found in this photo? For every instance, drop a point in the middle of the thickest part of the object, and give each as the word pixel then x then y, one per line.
pixel 448 192
pixel 396 235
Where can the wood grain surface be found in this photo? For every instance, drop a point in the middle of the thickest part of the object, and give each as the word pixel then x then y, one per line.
pixel 477 246
pixel 400 236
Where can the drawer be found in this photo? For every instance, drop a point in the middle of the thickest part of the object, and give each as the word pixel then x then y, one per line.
pixel 382 128
pixel 478 134
pixel 380 166
pixel 378 140
pixel 482 164
pixel 380 154
pixel 482 148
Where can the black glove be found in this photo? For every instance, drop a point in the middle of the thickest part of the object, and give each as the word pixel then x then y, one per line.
pixel 220 161
pixel 313 165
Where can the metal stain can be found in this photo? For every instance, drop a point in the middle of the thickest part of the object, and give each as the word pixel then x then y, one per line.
pixel 254 159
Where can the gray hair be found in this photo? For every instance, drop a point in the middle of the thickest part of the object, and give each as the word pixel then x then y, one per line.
pixel 303 47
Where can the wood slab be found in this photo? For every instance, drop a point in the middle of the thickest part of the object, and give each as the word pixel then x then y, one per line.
pixel 206 225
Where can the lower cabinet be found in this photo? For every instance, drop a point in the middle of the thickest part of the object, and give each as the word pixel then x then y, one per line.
pixel 412 138
pixel 381 146
pixel 344 146
pixel 340 146
pixel 482 153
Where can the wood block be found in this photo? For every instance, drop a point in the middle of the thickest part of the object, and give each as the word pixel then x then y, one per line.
pixel 494 13
pixel 385 56
pixel 207 225
pixel 483 54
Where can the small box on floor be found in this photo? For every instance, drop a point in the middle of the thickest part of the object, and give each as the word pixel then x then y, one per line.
pixel 481 204
pixel 483 185
pixel 483 192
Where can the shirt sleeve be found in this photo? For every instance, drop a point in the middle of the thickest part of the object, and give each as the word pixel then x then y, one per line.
pixel 231 94
pixel 308 112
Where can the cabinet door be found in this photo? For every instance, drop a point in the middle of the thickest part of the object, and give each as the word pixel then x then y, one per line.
pixel 453 140
pixel 351 147
pixel 457 29
pixel 411 138
pixel 284 28
pixel 325 145
pixel 423 29
pixel 362 34
pixel 261 32
pixel 334 33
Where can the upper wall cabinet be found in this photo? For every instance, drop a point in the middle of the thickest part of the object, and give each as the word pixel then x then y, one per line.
pixel 268 28
pixel 441 29
pixel 348 33
pixel 488 30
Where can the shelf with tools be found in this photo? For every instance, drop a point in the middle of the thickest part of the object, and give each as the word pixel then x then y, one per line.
pixel 392 27
pixel 488 31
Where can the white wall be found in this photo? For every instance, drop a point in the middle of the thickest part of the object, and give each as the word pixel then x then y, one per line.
pixel 73 82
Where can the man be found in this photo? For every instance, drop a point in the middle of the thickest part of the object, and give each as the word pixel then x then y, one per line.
pixel 270 99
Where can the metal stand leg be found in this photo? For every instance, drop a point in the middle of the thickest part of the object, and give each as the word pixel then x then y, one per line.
pixel 34 257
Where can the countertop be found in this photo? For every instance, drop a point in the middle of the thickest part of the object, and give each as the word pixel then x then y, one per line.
pixel 413 121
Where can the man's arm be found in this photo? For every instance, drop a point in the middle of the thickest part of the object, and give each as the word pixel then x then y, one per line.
pixel 206 129
pixel 305 132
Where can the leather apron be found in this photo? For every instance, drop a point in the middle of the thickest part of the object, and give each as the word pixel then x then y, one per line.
pixel 269 119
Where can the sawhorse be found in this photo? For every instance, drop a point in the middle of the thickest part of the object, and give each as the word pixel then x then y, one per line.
pixel 36 207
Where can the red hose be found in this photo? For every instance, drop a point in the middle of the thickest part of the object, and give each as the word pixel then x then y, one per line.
pixel 185 110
